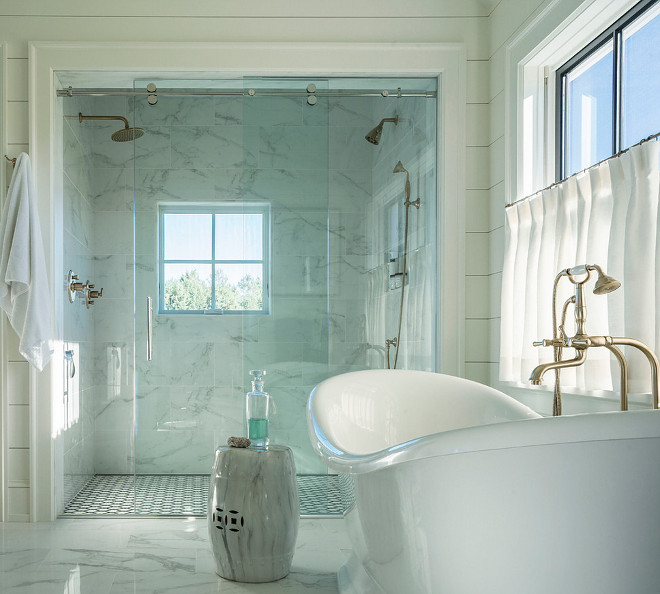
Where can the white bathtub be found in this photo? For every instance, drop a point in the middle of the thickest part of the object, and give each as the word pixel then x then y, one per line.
pixel 460 489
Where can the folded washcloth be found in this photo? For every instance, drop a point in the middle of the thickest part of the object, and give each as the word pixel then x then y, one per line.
pixel 24 293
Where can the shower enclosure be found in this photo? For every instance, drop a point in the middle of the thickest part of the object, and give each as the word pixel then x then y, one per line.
pixel 251 226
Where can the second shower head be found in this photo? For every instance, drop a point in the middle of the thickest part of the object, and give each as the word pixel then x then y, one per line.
pixel 374 135
pixel 126 134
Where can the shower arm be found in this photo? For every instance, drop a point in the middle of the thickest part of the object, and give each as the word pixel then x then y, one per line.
pixel 82 117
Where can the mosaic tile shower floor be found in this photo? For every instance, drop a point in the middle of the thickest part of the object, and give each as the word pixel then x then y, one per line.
pixel 185 495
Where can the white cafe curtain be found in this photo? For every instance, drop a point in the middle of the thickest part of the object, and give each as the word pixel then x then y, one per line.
pixel 607 215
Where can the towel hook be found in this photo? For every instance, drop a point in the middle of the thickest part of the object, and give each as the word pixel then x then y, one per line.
pixel 12 161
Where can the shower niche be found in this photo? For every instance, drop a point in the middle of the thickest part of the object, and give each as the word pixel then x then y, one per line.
pixel 331 195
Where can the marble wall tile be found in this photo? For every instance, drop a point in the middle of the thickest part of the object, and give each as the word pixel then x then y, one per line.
pixel 172 186
pixel 114 274
pixel 113 319
pixel 113 233
pixel 349 190
pixel 348 149
pixel 229 111
pixel 353 111
pixel 113 451
pixel 174 365
pixel 282 188
pixel 213 409
pixel 113 363
pixel 154 150
pixel 293 147
pixel 296 233
pixel 283 364
pixel 112 189
pixel 295 320
pixel 176 111
pixel 177 451
pixel 294 276
pixel 106 152
pixel 200 147
pixel 273 111
pixel 229 367
pixel 113 407
pixel 78 213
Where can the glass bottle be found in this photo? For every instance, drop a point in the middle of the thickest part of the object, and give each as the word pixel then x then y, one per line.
pixel 257 408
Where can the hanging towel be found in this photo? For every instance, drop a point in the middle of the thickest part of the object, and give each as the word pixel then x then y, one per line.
pixel 24 291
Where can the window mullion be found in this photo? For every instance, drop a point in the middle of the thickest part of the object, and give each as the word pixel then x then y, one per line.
pixel 616 91
pixel 213 304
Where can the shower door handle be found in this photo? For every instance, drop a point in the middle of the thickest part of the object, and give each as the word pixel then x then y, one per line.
pixel 148 328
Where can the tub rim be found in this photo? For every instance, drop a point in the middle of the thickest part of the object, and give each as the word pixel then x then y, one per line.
pixel 529 432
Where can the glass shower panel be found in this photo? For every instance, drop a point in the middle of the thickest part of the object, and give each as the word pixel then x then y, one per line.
pixel 286 143
pixel 231 240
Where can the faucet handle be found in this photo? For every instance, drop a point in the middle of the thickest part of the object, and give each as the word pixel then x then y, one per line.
pixel 546 342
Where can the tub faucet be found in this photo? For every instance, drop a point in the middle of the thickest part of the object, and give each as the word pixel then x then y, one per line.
pixel 581 341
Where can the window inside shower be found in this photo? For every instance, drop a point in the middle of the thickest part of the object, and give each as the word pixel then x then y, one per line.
pixel 213 259
pixel 260 174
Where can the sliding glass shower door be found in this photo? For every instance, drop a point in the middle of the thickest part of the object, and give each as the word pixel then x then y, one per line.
pixel 231 247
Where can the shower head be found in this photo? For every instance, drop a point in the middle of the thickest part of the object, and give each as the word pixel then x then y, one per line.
pixel 126 134
pixel 374 135
pixel 123 135
pixel 605 284
pixel 399 168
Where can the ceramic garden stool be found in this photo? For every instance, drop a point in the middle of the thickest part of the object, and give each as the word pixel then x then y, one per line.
pixel 253 513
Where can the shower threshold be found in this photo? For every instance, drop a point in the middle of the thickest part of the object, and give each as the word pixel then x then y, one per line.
pixel 184 495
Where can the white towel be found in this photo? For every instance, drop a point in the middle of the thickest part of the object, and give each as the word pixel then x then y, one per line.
pixel 24 291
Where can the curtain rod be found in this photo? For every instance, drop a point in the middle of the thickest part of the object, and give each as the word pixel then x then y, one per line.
pixel 647 139
pixel 71 92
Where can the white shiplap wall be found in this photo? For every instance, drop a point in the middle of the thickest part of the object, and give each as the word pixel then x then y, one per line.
pixel 464 21
pixel 504 22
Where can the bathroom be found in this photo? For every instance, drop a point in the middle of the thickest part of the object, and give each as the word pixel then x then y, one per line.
pixel 469 60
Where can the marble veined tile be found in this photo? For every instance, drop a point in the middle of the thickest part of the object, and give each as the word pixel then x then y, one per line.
pixel 172 185
pixel 200 147
pixel 176 111
pixel 150 556
pixel 293 147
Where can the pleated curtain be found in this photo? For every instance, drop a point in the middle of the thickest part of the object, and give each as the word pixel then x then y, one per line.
pixel 607 215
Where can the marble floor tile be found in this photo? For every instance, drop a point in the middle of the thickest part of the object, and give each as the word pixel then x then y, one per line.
pixel 151 556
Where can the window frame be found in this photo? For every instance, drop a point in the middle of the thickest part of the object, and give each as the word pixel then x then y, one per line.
pixel 215 209
pixel 613 33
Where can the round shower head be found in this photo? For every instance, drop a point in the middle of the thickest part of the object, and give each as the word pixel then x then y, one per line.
pixel 127 134
pixel 605 284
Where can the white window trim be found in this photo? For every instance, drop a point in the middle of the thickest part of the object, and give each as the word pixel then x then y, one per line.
pixel 554 33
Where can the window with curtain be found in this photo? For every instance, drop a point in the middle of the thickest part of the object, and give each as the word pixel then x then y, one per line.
pixel 213 259
pixel 607 93
pixel 607 215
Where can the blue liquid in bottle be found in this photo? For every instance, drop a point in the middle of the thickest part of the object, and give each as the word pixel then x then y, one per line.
pixel 257 405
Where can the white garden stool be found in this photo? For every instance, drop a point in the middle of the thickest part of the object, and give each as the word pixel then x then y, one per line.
pixel 253 513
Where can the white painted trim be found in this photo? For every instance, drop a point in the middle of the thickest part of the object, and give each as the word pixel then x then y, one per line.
pixel 194 60
pixel 3 318
pixel 552 35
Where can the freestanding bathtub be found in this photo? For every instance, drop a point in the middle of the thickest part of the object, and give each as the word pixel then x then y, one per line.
pixel 460 489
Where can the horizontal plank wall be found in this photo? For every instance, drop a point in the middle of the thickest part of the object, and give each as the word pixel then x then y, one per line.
pixel 505 21
pixel 343 21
